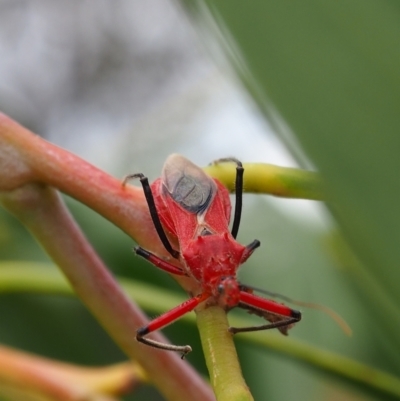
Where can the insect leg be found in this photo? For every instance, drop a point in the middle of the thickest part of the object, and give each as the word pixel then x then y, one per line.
pixel 238 192
pixel 165 320
pixel 331 313
pixel 158 262
pixel 153 212
pixel 279 315
pixel 249 250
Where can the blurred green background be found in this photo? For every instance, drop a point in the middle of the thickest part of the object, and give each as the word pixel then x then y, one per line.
pixel 331 69
pixel 326 76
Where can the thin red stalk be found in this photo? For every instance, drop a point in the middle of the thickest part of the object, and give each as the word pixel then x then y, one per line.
pixel 36 160
pixel 61 381
pixel 26 159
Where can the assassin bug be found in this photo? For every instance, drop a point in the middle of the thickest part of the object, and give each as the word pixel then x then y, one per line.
pixel 195 209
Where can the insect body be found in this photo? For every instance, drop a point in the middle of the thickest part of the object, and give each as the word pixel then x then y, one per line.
pixel 195 208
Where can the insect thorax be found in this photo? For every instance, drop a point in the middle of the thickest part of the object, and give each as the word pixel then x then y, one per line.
pixel 213 257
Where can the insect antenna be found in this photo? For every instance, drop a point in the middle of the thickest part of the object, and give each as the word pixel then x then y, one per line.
pixel 238 192
pixel 330 312
pixel 153 211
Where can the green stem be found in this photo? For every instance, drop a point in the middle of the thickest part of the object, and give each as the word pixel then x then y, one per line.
pixel 273 180
pixel 221 357
pixel 40 278
pixel 339 365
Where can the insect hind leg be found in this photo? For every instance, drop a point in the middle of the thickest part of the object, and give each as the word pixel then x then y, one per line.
pixel 280 324
pixel 279 316
pixel 153 211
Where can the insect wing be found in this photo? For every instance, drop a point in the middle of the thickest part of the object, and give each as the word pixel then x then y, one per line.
pixel 191 200
pixel 187 184
pixel 186 193
pixel 219 213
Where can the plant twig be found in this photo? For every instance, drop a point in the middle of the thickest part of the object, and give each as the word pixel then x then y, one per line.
pixel 27 165
pixel 26 159
pixel 64 382
pixel 27 277
pixel 41 210
pixel 221 357
pixel 273 180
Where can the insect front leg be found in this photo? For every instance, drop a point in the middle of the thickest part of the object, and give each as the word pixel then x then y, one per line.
pixel 280 316
pixel 166 319
pixel 238 192
pixel 153 211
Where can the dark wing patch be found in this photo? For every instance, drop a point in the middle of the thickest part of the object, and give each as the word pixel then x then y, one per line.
pixel 187 184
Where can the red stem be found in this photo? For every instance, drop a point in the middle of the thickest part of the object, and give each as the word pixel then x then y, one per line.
pixel 26 163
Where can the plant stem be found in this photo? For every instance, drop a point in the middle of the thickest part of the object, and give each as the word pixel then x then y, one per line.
pixel 221 357
pixel 28 277
pixel 273 180
pixel 65 382
pixel 29 167
pixel 41 210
